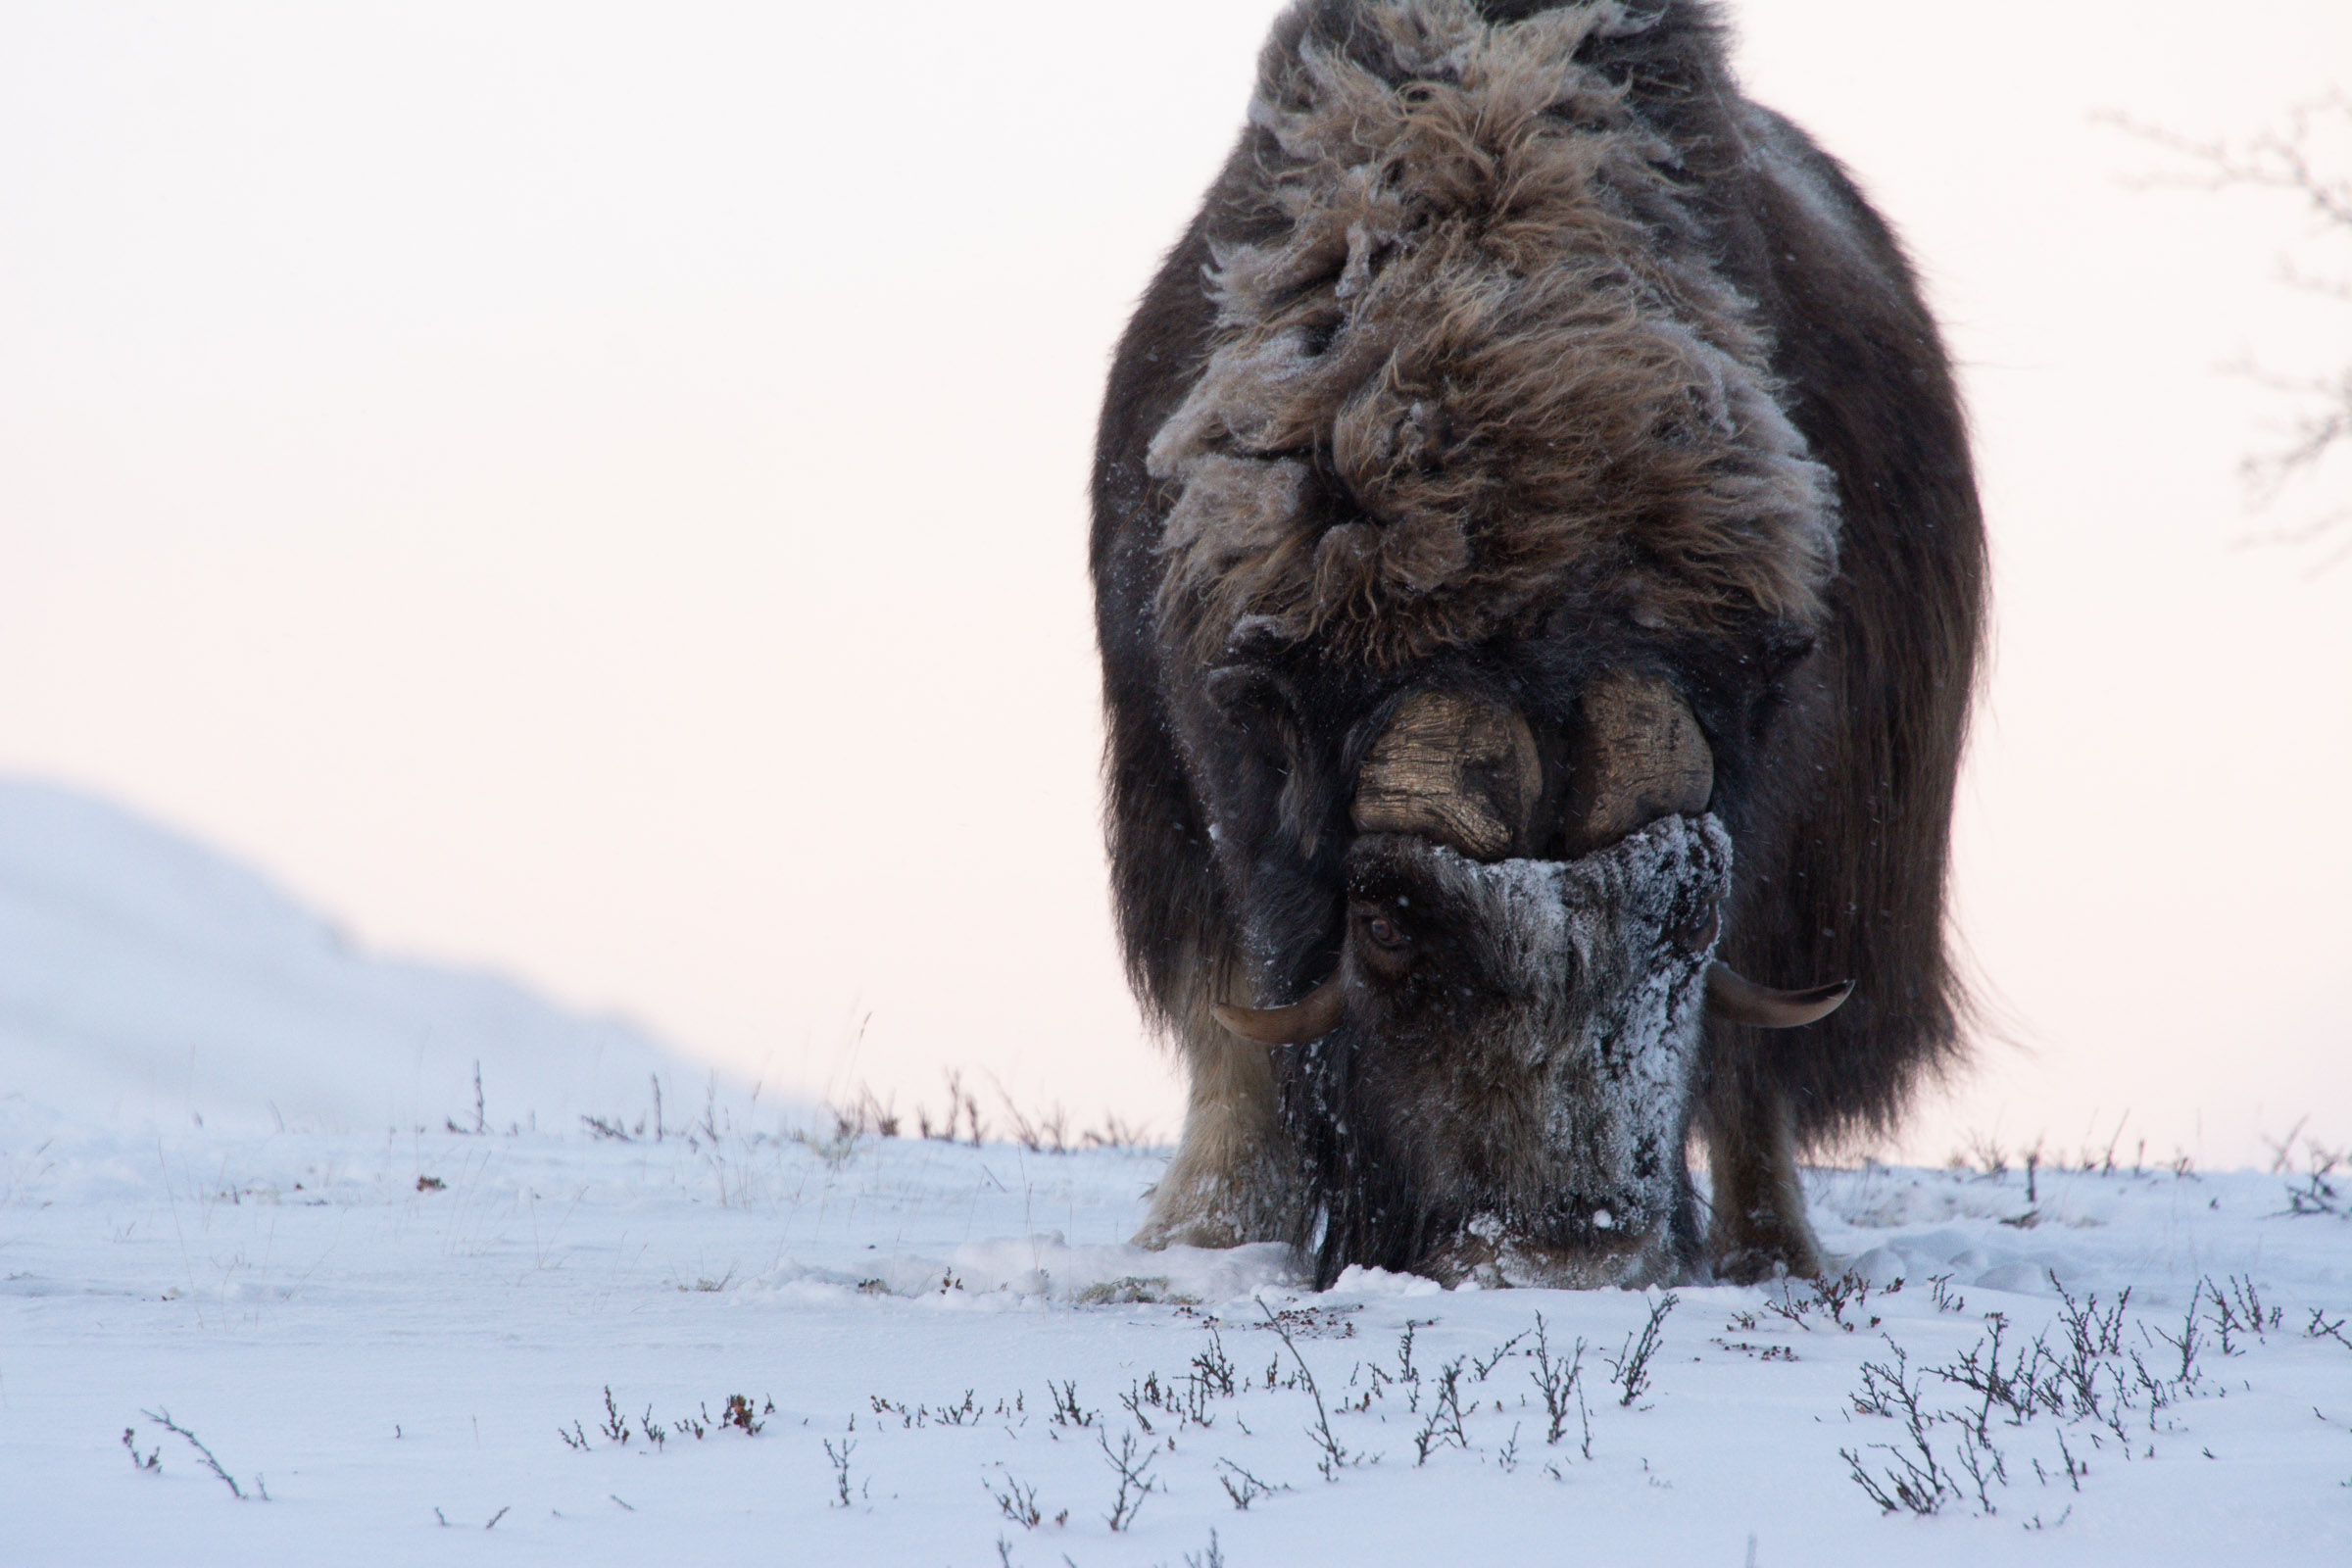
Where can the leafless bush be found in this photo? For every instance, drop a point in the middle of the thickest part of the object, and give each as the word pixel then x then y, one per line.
pixel 2237 1311
pixel 163 1418
pixel 1066 1411
pixel 1555 1380
pixel 2079 1373
pixel 1333 1455
pixel 1134 1469
pixel 1016 1501
pixel 1115 1133
pixel 840 1458
pixel 868 1115
pixel 2316 1193
pixel 1444 1422
pixel 1630 1368
pixel 482 1124
pixel 1797 1299
pixel 1241 1487
pixel 1982 1153
pixel 1213 1368
pixel 863 1115
pixel 617 1426
pixel 1483 1365
pixel 1914 1478
pixel 2297 158
pixel 963 1110
pixel 738 1411
pixel 1046 1134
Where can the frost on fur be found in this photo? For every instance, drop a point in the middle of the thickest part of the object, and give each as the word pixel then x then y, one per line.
pixel 1563 1165
pixel 1484 360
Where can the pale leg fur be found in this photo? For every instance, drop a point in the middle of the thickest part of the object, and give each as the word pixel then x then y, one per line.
pixel 1230 1181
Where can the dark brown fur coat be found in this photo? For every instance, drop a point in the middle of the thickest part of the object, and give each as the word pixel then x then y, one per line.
pixel 1512 345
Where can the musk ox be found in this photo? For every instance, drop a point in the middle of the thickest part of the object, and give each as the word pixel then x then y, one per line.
pixel 1540 581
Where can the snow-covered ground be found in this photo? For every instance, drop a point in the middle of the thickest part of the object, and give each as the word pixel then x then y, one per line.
pixel 389 1333
pixel 739 1334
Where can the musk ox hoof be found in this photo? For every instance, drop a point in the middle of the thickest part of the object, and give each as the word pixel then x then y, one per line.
pixel 1211 1229
pixel 1229 1181
pixel 1787 1253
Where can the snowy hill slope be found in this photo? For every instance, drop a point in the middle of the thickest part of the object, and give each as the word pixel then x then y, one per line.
pixel 144 976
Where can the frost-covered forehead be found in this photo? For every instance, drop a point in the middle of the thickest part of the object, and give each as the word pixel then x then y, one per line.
pixel 1592 925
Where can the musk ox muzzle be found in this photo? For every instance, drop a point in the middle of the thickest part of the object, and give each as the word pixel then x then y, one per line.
pixel 1498 1078
pixel 1508 1083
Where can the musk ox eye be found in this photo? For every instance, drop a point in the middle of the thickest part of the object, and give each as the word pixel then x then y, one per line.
pixel 1384 931
pixel 1699 930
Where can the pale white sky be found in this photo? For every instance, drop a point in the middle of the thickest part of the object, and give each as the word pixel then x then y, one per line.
pixel 599 492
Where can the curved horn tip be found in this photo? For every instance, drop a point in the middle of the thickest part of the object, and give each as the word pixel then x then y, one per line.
pixel 1310 1018
pixel 1732 995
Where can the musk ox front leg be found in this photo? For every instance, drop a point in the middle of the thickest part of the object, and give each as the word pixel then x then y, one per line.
pixel 1758 1229
pixel 1233 1178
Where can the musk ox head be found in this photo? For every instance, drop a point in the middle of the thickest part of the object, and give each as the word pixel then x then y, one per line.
pixel 1495 1080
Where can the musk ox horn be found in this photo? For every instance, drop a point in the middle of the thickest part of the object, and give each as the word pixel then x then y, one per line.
pixel 1732 995
pixel 1311 1018
pixel 1637 756
pixel 1456 768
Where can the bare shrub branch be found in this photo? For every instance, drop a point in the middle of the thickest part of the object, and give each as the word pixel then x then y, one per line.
pixel 2291 158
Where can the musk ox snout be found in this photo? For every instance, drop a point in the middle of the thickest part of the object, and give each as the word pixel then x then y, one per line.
pixel 1515 1063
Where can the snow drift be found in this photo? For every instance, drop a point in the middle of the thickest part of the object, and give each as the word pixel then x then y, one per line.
pixel 144 976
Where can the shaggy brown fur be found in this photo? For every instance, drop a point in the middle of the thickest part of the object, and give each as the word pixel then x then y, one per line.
pixel 1467 377
pixel 1513 348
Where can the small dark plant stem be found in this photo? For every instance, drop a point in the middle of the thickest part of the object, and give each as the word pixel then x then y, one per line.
pixel 1333 1455
pixel 164 1419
